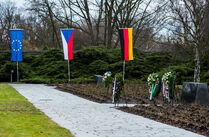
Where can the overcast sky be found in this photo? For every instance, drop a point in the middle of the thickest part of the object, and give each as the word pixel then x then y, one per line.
pixel 19 3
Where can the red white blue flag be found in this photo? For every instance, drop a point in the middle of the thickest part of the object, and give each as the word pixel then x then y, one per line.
pixel 67 41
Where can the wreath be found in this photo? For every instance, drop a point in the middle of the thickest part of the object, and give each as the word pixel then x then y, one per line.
pixel 168 80
pixel 154 85
pixel 107 78
pixel 118 85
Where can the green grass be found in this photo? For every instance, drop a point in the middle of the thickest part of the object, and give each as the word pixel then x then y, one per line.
pixel 19 118
pixel 179 86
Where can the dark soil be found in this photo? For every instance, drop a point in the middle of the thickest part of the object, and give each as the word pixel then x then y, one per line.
pixel 191 117
pixel 132 94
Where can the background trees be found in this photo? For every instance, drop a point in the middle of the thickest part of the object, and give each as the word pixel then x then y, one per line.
pixel 189 25
pixel 95 22
pixel 99 20
pixel 8 19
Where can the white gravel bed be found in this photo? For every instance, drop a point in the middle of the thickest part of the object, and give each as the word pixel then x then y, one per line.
pixel 85 118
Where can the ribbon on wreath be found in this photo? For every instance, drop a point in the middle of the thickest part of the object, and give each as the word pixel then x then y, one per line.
pixel 114 91
pixel 165 91
pixel 152 90
pixel 117 87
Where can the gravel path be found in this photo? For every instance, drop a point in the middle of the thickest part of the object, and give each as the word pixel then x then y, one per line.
pixel 89 119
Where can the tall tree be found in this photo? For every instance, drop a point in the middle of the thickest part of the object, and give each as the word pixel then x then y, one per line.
pixel 43 11
pixel 8 13
pixel 131 13
pixel 86 19
pixel 188 17
pixel 101 19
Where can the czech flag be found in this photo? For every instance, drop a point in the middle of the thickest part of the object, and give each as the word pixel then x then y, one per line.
pixel 126 41
pixel 67 41
pixel 16 36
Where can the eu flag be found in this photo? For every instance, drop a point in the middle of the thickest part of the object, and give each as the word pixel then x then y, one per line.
pixel 16 36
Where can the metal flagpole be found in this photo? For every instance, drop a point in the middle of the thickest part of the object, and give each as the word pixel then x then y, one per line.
pixel 17 73
pixel 68 70
pixel 124 63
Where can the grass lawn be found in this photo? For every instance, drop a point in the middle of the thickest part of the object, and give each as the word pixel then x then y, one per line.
pixel 19 118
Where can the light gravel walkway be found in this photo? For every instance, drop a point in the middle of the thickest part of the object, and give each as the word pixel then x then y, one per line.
pixel 89 119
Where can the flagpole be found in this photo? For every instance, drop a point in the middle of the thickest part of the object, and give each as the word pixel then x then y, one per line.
pixel 17 73
pixel 124 66
pixel 68 70
pixel 124 63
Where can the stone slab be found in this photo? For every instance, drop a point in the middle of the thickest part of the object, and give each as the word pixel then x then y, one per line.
pixel 202 95
pixel 98 79
pixel 189 90
pixel 195 92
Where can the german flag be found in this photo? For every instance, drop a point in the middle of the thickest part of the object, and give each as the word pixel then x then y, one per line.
pixel 126 41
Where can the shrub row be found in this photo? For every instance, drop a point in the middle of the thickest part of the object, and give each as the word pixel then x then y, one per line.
pixel 50 67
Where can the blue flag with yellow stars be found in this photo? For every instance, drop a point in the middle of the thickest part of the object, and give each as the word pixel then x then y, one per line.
pixel 16 36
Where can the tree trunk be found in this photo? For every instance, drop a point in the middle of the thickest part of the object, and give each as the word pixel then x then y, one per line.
pixel 109 25
pixel 105 26
pixel 197 65
pixel 109 31
pixel 98 22
pixel 109 37
pixel 52 22
pixel 89 22
pixel 116 43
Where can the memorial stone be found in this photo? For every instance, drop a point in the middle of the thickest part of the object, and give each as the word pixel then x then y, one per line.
pixel 202 95
pixel 98 79
pixel 195 92
pixel 189 90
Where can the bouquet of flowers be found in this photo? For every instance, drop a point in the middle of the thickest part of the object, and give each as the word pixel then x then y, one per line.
pixel 107 78
pixel 154 84
pixel 168 81
pixel 118 85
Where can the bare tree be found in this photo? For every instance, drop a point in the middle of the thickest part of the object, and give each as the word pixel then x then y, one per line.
pixel 101 19
pixel 8 13
pixel 86 20
pixel 137 14
pixel 43 9
pixel 187 25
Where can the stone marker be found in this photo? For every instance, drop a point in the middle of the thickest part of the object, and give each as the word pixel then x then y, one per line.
pixel 202 95
pixel 98 78
pixel 195 92
pixel 189 90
